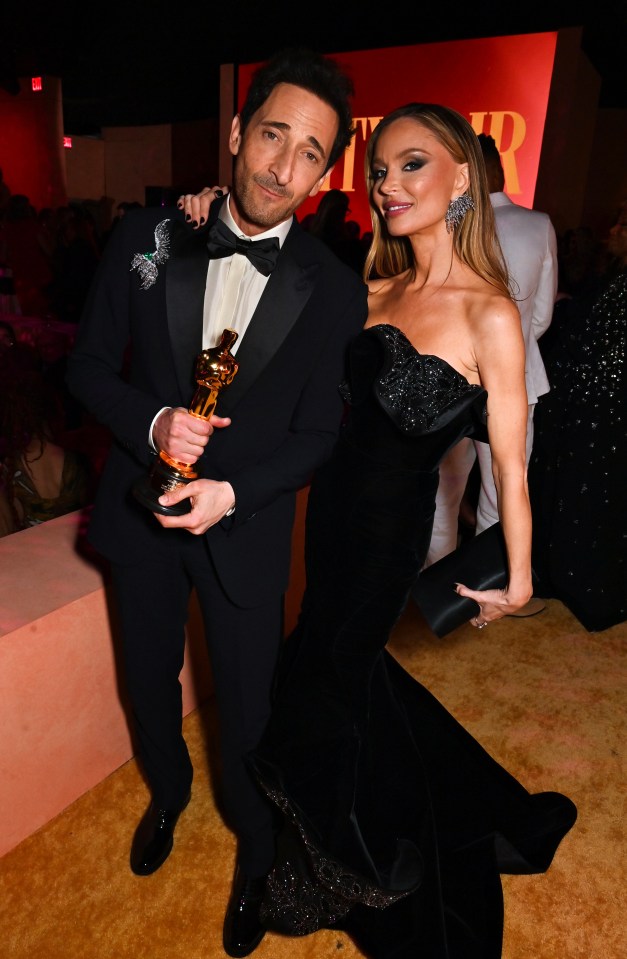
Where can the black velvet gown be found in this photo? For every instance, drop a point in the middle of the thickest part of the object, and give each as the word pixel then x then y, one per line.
pixel 395 823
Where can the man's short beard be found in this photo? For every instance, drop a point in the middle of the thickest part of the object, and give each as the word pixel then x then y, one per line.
pixel 253 213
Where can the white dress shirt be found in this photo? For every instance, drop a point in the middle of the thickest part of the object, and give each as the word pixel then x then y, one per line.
pixel 234 286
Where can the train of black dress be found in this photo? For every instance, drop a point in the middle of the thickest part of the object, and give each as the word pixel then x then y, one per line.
pixel 396 824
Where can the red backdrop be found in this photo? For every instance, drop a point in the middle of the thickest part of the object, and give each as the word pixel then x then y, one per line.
pixel 500 84
pixel 31 142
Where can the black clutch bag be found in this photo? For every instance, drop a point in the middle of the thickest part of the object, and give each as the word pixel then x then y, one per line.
pixel 479 563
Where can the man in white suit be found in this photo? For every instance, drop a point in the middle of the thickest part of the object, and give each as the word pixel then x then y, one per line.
pixel 529 245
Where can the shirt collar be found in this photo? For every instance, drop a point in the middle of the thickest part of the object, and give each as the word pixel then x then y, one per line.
pixel 280 231
pixel 499 198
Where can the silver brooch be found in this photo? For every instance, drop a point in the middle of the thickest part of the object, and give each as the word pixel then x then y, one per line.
pixel 146 263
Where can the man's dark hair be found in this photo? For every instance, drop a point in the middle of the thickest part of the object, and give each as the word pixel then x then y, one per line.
pixel 493 163
pixel 314 72
pixel 488 147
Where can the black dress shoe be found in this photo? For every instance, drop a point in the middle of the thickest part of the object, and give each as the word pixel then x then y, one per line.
pixel 154 838
pixel 243 929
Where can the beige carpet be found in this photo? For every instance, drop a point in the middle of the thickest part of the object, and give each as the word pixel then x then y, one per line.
pixel 543 695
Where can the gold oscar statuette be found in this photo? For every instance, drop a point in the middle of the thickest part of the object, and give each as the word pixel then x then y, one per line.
pixel 214 370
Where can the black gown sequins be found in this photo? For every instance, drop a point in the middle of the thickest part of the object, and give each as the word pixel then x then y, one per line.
pixel 578 466
pixel 395 822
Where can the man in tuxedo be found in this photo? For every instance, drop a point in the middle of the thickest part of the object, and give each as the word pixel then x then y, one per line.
pixel 163 293
pixel 529 246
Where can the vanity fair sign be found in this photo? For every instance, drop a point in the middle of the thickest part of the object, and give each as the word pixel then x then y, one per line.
pixel 500 84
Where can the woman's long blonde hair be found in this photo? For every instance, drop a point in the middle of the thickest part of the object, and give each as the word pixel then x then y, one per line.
pixel 474 239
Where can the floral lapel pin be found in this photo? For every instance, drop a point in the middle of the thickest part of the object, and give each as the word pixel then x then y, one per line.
pixel 146 263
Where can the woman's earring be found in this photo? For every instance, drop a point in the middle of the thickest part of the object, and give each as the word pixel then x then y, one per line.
pixel 457 210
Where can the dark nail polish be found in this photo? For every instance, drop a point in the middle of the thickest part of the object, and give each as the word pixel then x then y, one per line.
pixel 202 220
pixel 194 222
pixel 188 217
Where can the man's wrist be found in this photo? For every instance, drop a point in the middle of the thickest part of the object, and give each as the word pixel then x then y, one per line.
pixel 231 508
pixel 151 440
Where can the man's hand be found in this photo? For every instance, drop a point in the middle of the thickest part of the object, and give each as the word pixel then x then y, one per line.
pixel 210 500
pixel 183 436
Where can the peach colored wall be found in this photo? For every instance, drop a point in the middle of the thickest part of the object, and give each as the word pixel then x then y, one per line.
pixel 121 163
pixel 63 726
pixel 85 168
pixel 136 157
pixel 63 729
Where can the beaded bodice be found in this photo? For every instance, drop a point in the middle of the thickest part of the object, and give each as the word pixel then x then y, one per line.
pixel 391 383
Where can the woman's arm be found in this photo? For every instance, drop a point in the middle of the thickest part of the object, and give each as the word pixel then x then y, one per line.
pixel 500 357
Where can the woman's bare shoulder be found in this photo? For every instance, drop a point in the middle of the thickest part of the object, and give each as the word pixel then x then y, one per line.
pixel 491 309
pixel 382 285
pixel 383 299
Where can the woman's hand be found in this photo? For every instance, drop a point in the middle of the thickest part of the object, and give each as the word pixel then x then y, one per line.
pixel 196 205
pixel 493 603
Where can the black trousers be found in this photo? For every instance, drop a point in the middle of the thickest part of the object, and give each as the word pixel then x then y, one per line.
pixel 243 644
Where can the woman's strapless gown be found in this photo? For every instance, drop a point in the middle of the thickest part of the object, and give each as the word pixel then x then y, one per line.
pixel 395 822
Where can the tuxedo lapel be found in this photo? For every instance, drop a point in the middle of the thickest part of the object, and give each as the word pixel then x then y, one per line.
pixel 283 300
pixel 286 293
pixel 186 278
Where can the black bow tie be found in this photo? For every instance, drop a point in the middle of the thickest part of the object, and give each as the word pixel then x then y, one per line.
pixel 261 253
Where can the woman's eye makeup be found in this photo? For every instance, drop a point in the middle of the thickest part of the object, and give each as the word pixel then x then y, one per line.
pixel 414 164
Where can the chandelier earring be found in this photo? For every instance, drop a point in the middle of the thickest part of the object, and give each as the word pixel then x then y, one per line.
pixel 457 210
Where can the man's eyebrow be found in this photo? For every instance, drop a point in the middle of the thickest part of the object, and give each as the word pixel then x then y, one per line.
pixel 280 125
pixel 318 146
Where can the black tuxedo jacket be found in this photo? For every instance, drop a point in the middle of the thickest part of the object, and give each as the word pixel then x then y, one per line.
pixel 135 353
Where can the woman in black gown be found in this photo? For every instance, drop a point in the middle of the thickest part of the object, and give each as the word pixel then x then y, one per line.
pixel 396 824
pixel 578 467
